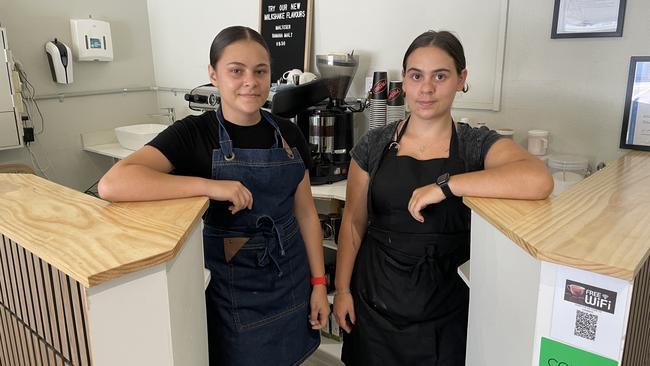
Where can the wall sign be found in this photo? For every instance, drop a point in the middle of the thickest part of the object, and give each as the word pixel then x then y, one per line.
pixel 635 133
pixel 554 353
pixel 286 27
pixel 589 311
pixel 588 18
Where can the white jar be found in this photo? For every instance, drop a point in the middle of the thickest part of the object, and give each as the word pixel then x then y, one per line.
pixel 567 170
pixel 538 142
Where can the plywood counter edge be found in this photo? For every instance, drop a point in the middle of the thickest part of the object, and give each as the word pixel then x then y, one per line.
pixel 172 220
pixel 553 230
pixel 162 257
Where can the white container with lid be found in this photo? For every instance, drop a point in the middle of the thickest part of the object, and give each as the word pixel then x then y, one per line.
pixel 567 170
pixel 538 142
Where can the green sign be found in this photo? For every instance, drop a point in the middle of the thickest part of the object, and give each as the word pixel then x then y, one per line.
pixel 554 353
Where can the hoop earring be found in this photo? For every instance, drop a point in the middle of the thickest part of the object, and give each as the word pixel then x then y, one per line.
pixel 465 88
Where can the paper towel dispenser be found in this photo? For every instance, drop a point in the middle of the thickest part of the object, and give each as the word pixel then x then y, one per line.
pixel 91 40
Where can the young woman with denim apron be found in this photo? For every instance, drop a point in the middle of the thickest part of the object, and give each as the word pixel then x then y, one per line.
pixel 405 229
pixel 258 304
pixel 262 237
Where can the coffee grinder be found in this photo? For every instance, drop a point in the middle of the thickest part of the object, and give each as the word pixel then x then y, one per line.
pixel 324 116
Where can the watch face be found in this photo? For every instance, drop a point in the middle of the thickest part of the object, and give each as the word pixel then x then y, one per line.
pixel 442 179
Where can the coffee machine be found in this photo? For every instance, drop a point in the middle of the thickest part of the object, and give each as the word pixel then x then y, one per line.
pixel 323 115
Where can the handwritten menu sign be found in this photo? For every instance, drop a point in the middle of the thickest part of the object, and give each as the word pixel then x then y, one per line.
pixel 286 28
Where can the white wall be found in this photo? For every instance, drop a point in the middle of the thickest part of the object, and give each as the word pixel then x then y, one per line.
pixel 373 42
pixel 31 23
pixel 181 35
pixel 575 88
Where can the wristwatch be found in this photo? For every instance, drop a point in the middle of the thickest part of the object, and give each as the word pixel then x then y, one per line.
pixel 443 183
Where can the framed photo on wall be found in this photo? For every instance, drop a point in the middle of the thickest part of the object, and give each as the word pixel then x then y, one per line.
pixel 635 133
pixel 588 18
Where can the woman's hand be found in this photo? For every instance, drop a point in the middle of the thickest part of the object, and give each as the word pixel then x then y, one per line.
pixel 320 308
pixel 344 307
pixel 233 191
pixel 423 197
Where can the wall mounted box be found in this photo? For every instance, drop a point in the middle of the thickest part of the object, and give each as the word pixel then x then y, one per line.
pixel 91 40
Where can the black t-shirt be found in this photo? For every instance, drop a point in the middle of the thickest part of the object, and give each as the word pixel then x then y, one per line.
pixel 188 145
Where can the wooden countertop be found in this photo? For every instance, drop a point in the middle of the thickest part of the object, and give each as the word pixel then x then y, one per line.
pixel 91 240
pixel 602 224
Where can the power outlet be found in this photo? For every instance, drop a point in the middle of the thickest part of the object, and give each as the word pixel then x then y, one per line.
pixel 18 102
pixel 15 80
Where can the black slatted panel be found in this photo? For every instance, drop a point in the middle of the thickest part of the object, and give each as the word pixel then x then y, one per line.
pixel 42 312
pixel 637 338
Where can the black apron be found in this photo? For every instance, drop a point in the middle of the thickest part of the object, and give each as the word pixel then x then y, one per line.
pixel 411 306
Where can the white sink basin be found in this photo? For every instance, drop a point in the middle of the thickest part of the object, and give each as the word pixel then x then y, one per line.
pixel 135 136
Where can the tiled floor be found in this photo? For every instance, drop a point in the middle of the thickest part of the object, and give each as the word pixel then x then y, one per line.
pixel 328 354
pixel 320 358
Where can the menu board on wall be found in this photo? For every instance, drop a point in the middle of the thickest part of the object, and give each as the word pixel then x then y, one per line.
pixel 286 27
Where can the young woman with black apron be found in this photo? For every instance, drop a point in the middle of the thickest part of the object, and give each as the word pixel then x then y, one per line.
pixel 410 304
pixel 405 229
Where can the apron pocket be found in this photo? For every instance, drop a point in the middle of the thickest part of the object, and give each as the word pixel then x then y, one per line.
pixel 403 287
pixel 259 294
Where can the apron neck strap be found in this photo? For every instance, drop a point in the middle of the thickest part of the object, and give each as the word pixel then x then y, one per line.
pixel 453 143
pixel 225 142
pixel 267 116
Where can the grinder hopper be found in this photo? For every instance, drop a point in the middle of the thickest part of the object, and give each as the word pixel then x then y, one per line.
pixel 337 70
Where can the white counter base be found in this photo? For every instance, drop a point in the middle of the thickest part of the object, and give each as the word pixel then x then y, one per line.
pixel 513 297
pixel 503 299
pixel 152 317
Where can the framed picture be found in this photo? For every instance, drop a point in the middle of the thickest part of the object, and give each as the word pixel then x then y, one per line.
pixel 286 26
pixel 635 133
pixel 588 18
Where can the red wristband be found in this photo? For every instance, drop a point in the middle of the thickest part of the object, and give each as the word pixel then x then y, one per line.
pixel 318 280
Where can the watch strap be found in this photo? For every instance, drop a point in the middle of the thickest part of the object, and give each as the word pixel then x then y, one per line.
pixel 446 190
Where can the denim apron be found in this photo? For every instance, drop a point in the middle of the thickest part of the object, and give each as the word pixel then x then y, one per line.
pixel 258 299
pixel 411 306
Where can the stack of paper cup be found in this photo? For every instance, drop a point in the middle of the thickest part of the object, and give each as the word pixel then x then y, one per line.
pixel 395 103
pixel 378 95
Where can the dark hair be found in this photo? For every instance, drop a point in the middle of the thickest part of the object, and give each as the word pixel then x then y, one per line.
pixel 231 35
pixel 443 40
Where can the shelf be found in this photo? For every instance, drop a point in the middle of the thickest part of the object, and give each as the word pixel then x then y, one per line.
pixel 206 278
pixel 329 244
pixel 330 191
pixel 104 143
pixel 113 150
pixel 463 272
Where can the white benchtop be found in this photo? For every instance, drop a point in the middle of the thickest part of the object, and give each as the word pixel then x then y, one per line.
pixel 104 143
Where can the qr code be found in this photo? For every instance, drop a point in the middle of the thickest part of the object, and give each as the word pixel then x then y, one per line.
pixel 586 325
